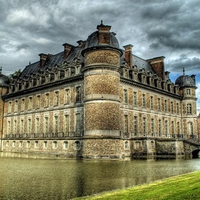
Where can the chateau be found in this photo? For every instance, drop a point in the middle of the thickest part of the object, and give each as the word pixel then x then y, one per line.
pixel 95 100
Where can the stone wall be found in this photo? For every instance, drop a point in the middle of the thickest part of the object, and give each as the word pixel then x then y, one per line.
pixel 103 148
pixel 102 116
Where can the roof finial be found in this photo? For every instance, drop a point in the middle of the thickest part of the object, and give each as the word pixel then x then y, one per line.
pixel 101 22
pixel 0 70
pixel 183 71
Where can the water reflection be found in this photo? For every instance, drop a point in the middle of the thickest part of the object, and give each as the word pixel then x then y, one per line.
pixel 23 178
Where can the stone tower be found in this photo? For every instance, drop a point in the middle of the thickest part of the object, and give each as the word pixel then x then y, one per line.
pixel 4 81
pixel 188 88
pixel 101 94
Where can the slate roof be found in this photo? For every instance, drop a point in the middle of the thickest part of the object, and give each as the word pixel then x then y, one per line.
pixel 184 81
pixel 75 55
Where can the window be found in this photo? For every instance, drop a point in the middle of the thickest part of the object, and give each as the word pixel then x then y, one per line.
pixel 7 143
pixel 47 100
pixel 191 131
pixel 38 101
pixel 45 145
pixel 15 126
pixel 135 98
pixel 165 106
pixel 172 127
pixel 16 106
pixel 30 103
pixel 66 124
pixel 125 96
pixel 177 108
pixel 160 127
pixel 126 123
pixel 9 107
pixel 65 144
pixel 144 125
pixel 28 144
pixel 56 123
pixel 36 144
pixel 20 144
pixel 77 145
pixel 78 122
pixel 56 98
pixel 126 145
pixel 78 94
pixel 152 126
pixel 37 125
pixel 46 124
pixel 22 104
pixel 143 100
pixel 159 104
pixel 9 127
pixel 13 144
pixel 189 108
pixel 22 126
pixel 166 128
pixel 178 127
pixel 151 102
pixel 29 126
pixel 55 145
pixel 172 107
pixel 135 125
pixel 188 92
pixel 67 96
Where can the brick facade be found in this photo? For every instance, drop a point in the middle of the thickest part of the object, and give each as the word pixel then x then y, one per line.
pixel 98 101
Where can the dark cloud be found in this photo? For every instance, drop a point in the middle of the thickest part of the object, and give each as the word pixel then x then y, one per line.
pixel 189 64
pixel 22 47
pixel 160 10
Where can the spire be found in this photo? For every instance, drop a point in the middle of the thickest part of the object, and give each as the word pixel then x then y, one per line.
pixel 183 71
pixel 0 70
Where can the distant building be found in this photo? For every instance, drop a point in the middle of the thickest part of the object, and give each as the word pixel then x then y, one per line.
pixel 96 100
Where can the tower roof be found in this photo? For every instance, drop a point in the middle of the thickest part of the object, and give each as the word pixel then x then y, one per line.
pixel 185 80
pixel 102 37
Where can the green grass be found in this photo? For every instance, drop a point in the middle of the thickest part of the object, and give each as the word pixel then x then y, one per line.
pixel 181 187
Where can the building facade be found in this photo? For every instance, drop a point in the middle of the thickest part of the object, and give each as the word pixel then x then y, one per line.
pixel 95 100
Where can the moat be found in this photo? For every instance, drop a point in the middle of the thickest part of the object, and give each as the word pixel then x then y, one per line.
pixel 39 178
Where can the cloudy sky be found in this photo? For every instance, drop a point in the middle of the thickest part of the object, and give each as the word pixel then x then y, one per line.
pixel 155 27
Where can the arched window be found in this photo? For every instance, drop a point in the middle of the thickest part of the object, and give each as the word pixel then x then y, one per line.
pixel 126 145
pixel 77 145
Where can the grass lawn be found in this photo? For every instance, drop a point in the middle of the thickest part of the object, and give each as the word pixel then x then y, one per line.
pixel 181 187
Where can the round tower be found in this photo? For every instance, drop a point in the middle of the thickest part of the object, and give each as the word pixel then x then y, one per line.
pixel 101 93
pixel 187 85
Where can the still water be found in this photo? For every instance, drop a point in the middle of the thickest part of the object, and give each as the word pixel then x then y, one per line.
pixel 30 178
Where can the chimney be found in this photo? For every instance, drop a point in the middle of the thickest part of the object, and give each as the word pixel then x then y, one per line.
pixel 158 66
pixel 167 74
pixel 67 49
pixel 81 43
pixel 104 34
pixel 128 54
pixel 193 77
pixel 43 58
